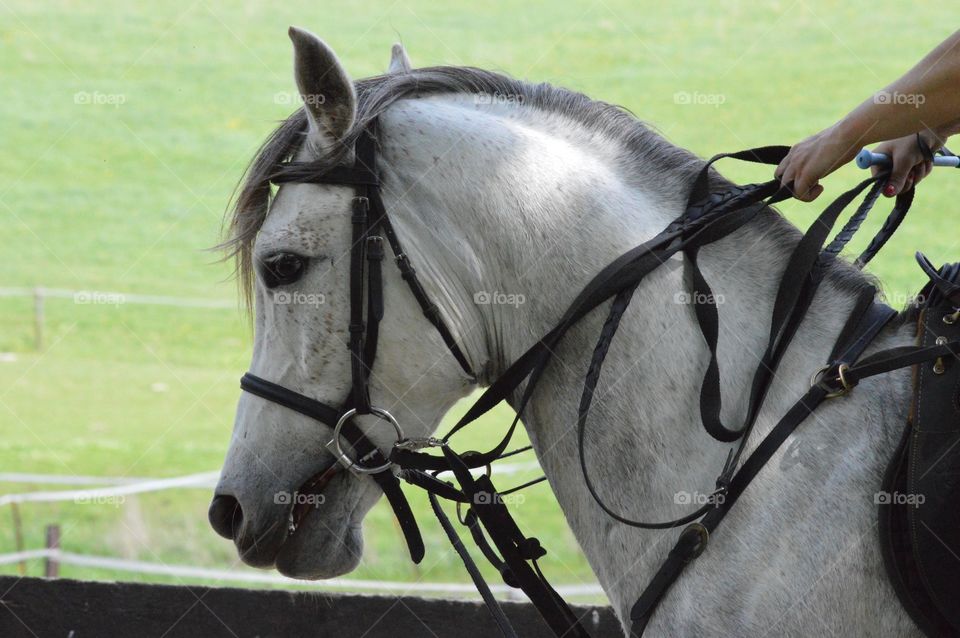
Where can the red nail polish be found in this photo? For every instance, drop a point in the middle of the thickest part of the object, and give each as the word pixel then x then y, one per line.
pixel 889 190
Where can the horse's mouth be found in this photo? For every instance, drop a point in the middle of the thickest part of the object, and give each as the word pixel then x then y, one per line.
pixel 310 496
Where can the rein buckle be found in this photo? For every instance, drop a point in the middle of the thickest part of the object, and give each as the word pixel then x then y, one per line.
pixel 837 385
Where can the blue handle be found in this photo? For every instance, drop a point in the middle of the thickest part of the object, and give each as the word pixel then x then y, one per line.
pixel 867 158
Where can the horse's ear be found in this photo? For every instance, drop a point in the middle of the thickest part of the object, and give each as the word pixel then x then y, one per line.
pixel 399 62
pixel 326 89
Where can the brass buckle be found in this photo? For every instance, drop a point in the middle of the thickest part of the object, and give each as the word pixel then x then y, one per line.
pixel 939 367
pixel 845 386
pixel 702 535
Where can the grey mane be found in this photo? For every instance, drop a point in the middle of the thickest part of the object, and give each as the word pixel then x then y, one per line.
pixel 648 158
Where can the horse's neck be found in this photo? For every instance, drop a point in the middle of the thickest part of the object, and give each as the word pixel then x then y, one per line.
pixel 552 212
pixel 508 214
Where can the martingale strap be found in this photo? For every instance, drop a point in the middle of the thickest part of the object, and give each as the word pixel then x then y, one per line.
pixel 500 618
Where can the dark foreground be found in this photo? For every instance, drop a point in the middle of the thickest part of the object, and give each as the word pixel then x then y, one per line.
pixel 34 607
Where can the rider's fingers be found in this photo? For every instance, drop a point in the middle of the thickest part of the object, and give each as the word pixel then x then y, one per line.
pixel 898 177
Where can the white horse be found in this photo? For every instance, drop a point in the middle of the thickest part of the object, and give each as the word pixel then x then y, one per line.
pixel 506 192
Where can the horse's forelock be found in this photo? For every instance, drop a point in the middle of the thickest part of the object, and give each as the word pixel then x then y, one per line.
pixel 251 200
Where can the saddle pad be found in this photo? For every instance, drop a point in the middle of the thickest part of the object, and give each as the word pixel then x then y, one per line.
pixel 919 505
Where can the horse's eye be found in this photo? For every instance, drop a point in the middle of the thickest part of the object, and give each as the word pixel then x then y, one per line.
pixel 282 268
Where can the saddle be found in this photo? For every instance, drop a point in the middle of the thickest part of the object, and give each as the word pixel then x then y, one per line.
pixel 919 504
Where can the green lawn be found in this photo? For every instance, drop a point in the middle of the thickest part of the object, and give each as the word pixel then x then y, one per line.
pixel 124 131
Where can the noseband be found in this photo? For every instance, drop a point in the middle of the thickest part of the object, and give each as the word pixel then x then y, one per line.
pixel 708 217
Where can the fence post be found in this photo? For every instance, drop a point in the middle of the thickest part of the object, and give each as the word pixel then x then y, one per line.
pixel 52 563
pixel 18 536
pixel 38 317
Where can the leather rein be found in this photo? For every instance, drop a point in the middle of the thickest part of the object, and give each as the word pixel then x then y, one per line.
pixel 708 217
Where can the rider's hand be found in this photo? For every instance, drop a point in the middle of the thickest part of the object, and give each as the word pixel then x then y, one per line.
pixel 813 159
pixel 909 164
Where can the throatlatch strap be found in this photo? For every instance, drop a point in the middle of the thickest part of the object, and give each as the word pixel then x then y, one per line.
pixel 430 310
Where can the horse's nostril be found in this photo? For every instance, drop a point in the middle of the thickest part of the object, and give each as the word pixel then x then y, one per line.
pixel 225 515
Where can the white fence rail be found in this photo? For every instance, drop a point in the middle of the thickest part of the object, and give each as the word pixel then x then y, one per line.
pixel 121 486
pixel 110 298
pixel 203 479
pixel 101 298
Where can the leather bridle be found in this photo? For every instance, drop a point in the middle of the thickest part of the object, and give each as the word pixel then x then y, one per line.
pixel 708 217
pixel 370 225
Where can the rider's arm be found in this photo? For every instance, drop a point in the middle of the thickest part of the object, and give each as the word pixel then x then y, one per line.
pixel 926 98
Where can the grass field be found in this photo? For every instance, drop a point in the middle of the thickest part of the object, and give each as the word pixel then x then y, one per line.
pixel 124 131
